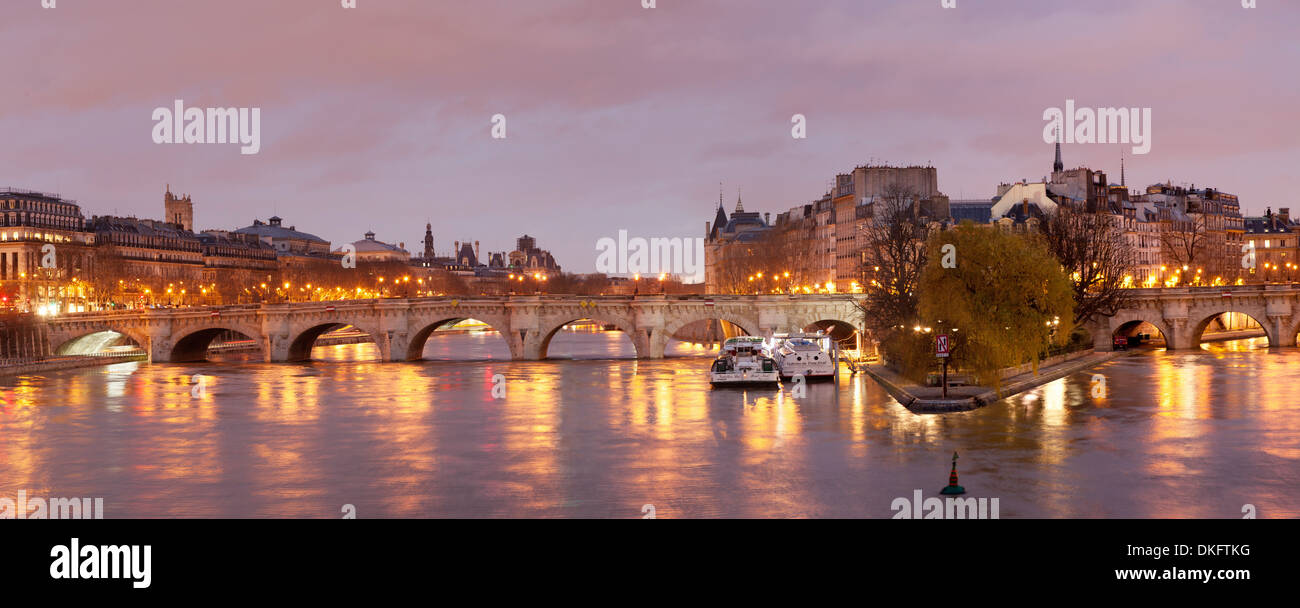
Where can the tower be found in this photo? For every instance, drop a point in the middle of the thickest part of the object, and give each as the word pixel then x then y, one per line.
pixel 1058 166
pixel 179 211
pixel 428 243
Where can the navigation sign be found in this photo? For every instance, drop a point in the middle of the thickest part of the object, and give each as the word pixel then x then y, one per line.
pixel 941 345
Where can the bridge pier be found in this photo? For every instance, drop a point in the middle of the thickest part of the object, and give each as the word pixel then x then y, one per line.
pixel 1277 327
pixel 158 348
pixel 656 343
pixel 275 347
pixel 526 345
pixel 643 339
pixel 1102 338
pixel 399 346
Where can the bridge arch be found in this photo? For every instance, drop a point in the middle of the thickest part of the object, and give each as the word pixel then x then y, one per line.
pixel 72 343
pixel 193 343
pixel 1126 324
pixel 548 331
pixel 746 324
pixel 1132 328
pixel 303 338
pixel 839 329
pixel 1197 332
pixel 657 344
pixel 418 339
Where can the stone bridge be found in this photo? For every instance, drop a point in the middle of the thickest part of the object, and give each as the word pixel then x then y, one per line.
pixel 400 327
pixel 1182 314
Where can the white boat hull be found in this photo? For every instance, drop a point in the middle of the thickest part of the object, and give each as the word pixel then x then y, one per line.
pixel 808 375
pixel 812 364
pixel 744 377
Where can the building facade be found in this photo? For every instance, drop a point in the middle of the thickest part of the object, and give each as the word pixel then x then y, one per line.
pixel 46 253
pixel 1275 240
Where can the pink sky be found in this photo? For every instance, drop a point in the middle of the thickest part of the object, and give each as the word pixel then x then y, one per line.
pixel 621 117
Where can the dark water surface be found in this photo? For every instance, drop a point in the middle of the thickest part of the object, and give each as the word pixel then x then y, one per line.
pixel 598 434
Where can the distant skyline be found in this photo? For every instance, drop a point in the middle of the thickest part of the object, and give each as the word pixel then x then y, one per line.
pixel 624 118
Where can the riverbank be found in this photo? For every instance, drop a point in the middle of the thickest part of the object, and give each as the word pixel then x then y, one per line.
pixel 60 363
pixel 930 400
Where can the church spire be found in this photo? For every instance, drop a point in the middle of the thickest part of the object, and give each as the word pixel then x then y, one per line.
pixel 1058 166
pixel 740 207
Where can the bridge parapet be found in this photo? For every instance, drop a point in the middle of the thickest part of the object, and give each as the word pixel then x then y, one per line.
pixel 1182 314
pixel 399 327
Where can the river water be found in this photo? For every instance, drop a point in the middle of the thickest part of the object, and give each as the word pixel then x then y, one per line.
pixel 596 433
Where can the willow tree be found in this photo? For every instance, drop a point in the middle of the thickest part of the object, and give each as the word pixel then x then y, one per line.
pixel 1001 295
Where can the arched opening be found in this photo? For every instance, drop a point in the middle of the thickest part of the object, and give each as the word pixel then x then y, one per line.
pixel 1138 333
pixel 588 339
pixel 458 339
pixel 333 342
pixel 1230 330
pixel 215 343
pixel 701 338
pixel 100 343
pixel 852 343
pixel 842 331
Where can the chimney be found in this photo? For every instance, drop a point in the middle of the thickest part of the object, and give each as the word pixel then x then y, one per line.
pixel 475 249
pixel 1025 205
pixel 1284 213
pixel 767 218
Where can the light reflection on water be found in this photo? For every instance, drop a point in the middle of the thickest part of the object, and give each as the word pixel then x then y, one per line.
pixel 599 434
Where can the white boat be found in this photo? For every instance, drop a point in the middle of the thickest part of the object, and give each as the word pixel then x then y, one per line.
pixel 744 361
pixel 809 355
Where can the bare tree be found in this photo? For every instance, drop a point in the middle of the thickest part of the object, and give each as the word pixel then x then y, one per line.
pixel 1185 243
pixel 892 260
pixel 747 266
pixel 1095 252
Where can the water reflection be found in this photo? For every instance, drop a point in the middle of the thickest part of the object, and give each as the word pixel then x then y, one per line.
pixel 599 434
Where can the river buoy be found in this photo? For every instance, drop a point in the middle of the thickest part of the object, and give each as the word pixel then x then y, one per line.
pixel 953 488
